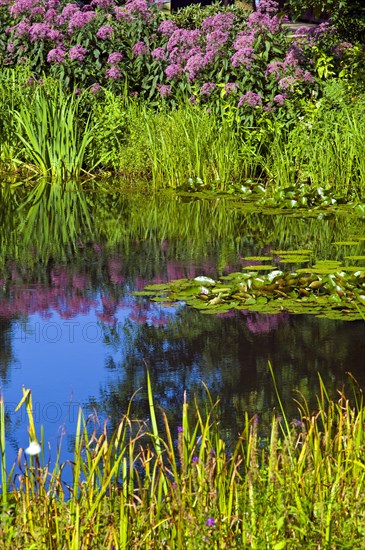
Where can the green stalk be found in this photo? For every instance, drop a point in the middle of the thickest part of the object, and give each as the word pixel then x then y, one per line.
pixel 4 483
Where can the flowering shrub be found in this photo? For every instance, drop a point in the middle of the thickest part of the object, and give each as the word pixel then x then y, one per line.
pixel 252 65
pixel 96 43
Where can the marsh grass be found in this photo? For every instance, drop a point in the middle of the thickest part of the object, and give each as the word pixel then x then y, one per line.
pixel 296 484
pixel 53 134
pixel 191 142
pixel 325 149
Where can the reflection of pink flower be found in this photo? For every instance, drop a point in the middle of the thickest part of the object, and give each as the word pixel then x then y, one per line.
pixel 140 283
pixel 159 320
pixel 114 270
pixel 139 317
pixel 106 318
pixel 258 323
pixel 59 278
pixel 80 280
pixel 227 314
pixel 158 280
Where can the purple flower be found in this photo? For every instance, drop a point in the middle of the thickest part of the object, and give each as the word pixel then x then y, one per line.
pixel 50 16
pixel 77 53
pixel 221 21
pixel 215 40
pixel 21 28
pixel 55 36
pixel 69 10
pixel 194 65
pixel 57 55
pixel 165 90
pixel 20 7
pixel 115 58
pixel 276 68
pixel 105 32
pixel 180 429
pixel 167 27
pixel 173 70
pixel 113 73
pixel 134 9
pixel 341 48
pixel 210 522
pixel 102 3
pixel 207 88
pixel 287 82
pixel 79 19
pixel 158 54
pixel 195 459
pixel 245 52
pixel 251 99
pixel 231 88
pixel 78 91
pixel 95 88
pixel 140 48
pixel 39 31
pixel 280 98
pixel 140 8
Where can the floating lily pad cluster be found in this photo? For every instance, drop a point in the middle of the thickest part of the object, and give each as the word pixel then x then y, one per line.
pixel 300 196
pixel 322 290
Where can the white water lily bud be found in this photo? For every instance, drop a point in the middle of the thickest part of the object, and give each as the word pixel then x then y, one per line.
pixel 204 280
pixel 33 449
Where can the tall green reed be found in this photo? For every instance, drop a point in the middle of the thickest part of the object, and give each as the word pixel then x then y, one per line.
pixel 296 484
pixel 53 133
pixel 190 142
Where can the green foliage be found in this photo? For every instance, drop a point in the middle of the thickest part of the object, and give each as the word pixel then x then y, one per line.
pixel 190 142
pixel 52 133
pixel 347 15
pixel 192 16
pixel 326 289
pixel 287 486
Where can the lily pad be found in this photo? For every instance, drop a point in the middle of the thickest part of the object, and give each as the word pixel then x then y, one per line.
pixel 291 252
pixel 260 267
pixel 327 289
pixel 257 258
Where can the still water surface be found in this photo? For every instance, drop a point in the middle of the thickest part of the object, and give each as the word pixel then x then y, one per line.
pixel 71 330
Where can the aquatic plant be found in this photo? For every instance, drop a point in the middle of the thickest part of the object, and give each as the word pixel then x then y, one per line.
pixel 325 289
pixel 288 485
pixel 53 135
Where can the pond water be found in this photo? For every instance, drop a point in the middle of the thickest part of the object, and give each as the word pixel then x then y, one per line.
pixel 72 331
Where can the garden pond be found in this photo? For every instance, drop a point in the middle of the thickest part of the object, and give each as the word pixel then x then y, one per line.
pixel 78 327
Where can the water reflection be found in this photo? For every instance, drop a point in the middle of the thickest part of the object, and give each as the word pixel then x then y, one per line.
pixel 71 330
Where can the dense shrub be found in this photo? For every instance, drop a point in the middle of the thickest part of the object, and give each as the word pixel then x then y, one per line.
pixel 241 62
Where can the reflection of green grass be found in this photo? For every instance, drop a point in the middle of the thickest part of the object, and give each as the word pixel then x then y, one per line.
pixel 290 485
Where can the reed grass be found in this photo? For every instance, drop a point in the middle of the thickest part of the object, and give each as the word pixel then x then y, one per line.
pixel 297 484
pixel 193 143
pixel 54 135
pixel 326 150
